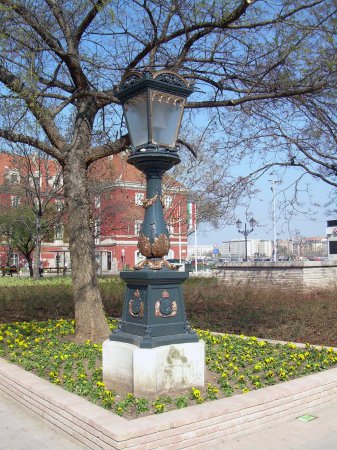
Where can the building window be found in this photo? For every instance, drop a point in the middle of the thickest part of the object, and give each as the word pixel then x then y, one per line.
pixel 167 201
pixel 170 227
pixel 15 201
pixel 35 180
pixel 59 205
pixel 97 201
pixel 51 181
pixel 58 232
pixel 333 247
pixel 332 223
pixel 138 226
pixel 139 197
pixel 97 228
pixel 58 183
pixel 15 260
pixel 12 176
pixel 138 257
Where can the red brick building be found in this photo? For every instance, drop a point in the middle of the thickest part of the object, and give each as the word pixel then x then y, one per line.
pixel 117 193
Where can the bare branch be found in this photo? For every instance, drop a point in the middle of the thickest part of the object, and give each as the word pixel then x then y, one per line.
pixel 42 31
pixel 201 27
pixel 33 142
pixel 256 97
pixel 15 84
pixel 188 146
pixel 110 148
pixel 88 19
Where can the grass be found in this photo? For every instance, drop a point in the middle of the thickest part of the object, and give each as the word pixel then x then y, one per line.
pixel 236 365
pixel 271 312
pixel 266 312
pixel 51 298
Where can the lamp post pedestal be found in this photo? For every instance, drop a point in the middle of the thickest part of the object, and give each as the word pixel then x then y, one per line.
pixel 155 371
pixel 153 312
pixel 154 350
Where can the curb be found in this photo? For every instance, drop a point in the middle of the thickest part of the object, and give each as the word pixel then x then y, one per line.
pixel 196 427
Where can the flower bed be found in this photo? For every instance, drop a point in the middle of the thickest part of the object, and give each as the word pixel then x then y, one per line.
pixel 236 365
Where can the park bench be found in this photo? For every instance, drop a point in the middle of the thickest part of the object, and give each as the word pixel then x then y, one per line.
pixel 5 270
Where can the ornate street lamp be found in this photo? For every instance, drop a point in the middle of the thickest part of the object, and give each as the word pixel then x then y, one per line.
pixel 154 312
pixel 245 232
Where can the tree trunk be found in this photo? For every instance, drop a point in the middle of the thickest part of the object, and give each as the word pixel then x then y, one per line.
pixel 9 254
pixel 90 320
pixel 30 267
pixel 37 249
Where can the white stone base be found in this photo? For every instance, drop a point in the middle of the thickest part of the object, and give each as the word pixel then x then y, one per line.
pixel 153 371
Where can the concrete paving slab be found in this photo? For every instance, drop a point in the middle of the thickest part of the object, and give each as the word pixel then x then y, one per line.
pixel 23 430
pixel 293 434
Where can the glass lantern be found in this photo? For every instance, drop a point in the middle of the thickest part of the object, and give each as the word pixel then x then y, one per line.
pixel 153 105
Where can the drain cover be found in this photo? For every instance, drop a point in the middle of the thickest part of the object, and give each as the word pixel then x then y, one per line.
pixel 306 418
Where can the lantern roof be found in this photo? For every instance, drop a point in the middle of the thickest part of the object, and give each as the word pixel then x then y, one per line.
pixel 163 80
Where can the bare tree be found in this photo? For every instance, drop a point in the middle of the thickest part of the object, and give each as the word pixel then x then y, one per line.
pixel 39 208
pixel 41 182
pixel 61 60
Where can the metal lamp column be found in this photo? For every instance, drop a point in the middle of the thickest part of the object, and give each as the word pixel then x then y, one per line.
pixel 246 232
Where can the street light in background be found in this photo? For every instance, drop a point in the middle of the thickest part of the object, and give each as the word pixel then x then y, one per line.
pixel 273 189
pixel 246 232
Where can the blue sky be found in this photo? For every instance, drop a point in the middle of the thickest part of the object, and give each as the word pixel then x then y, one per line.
pixel 311 224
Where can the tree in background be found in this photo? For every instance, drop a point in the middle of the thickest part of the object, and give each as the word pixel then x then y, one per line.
pixel 61 60
pixel 41 182
pixel 38 208
pixel 16 228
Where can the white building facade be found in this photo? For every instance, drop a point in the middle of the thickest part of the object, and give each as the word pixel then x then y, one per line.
pixel 256 248
pixel 199 251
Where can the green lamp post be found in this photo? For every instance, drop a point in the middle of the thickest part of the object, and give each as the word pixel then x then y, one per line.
pixel 154 312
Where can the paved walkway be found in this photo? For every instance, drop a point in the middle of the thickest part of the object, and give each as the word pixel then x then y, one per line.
pixel 22 430
pixel 318 434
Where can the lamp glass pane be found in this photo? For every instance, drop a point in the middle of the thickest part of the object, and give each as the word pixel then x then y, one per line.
pixel 166 114
pixel 135 110
pixel 252 222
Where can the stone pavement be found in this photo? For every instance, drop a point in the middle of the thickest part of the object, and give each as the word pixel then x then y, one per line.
pixel 21 429
pixel 293 434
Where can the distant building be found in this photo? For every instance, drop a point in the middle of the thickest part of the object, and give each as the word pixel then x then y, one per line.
pixel 308 247
pixel 201 251
pixel 256 248
pixel 331 232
